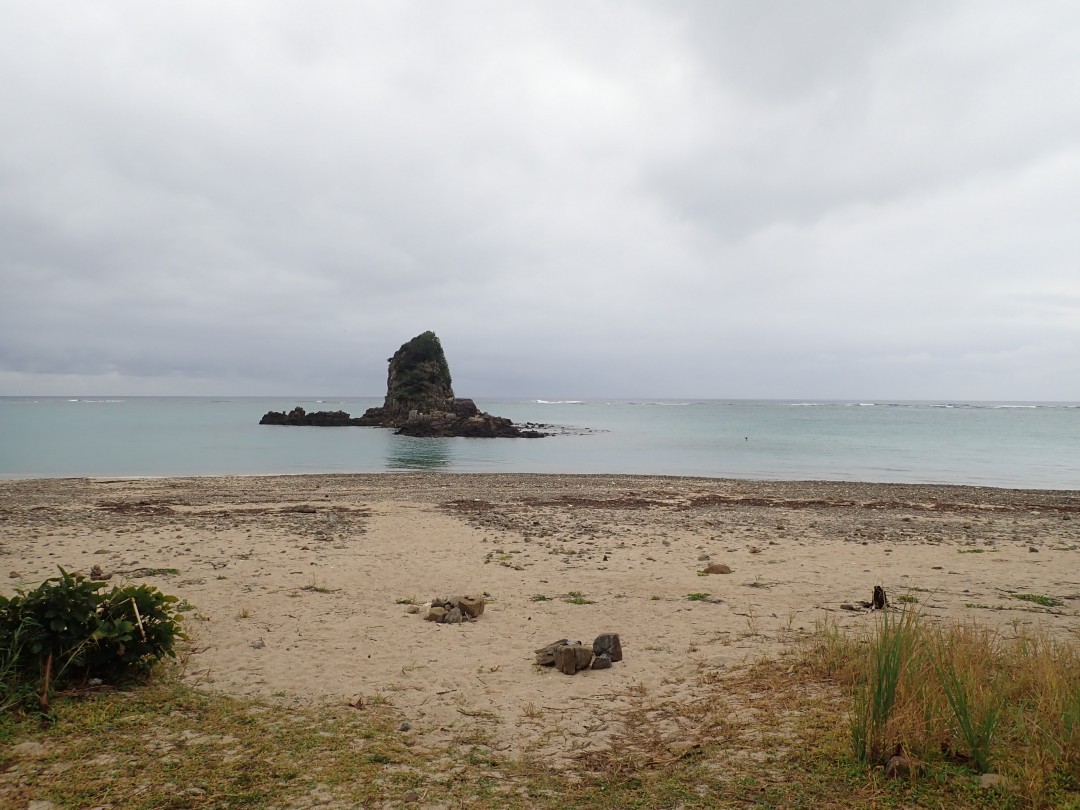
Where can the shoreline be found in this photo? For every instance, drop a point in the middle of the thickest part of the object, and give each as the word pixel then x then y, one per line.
pixel 318 568
pixel 6 479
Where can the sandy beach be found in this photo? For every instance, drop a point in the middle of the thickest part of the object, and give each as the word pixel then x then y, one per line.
pixel 298 587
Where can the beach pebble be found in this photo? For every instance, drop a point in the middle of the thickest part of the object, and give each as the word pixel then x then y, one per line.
pixel 258 644
pixel 717 568
pixel 566 659
pixel 28 749
pixel 1033 550
pixel 570 658
pixel 473 606
pixel 608 644
pixel 435 614
pixel 901 767
pixel 454 616
pixel 993 781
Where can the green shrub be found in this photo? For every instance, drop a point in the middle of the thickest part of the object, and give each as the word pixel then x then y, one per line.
pixel 67 629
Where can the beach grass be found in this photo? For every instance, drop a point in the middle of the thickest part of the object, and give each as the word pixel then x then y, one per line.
pixel 958 699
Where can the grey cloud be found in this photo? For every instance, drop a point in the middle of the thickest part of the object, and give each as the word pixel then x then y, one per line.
pixel 714 199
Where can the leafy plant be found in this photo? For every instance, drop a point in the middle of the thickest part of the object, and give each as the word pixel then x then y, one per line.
pixel 697 597
pixel 68 628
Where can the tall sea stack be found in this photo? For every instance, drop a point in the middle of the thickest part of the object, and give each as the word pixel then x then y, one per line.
pixel 420 399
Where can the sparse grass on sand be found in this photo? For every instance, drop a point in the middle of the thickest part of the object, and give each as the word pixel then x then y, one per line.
pixel 785 732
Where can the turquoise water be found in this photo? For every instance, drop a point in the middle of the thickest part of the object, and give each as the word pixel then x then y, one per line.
pixel 997 444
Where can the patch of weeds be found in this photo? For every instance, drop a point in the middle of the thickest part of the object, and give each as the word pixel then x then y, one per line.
pixel 314 587
pixel 970 550
pixel 697 596
pixel 577 598
pixel 907 598
pixel 1038 599
pixel 654 598
pixel 159 572
pixel 539 597
pixel 166 738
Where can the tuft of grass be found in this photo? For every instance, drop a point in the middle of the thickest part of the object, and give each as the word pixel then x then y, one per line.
pixel 577 598
pixel 874 700
pixel 1038 599
pixel 963 698
pixel 976 706
pixel 539 597
pixel 697 596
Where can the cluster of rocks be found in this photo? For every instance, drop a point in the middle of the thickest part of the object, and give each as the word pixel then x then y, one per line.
pixel 298 416
pixel 455 609
pixel 572 656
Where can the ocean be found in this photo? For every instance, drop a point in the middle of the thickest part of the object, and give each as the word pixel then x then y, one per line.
pixel 1023 445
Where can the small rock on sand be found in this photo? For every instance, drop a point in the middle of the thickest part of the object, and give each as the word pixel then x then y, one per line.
pixel 717 568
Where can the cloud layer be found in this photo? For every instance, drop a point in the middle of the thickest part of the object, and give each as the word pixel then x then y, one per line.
pixel 714 199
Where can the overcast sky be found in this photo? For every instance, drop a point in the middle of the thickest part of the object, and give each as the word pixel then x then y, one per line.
pixel 582 199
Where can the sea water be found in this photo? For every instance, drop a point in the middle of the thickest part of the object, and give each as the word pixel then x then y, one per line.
pixel 1001 444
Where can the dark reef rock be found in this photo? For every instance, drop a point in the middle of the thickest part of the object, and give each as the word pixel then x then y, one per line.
pixel 420 400
pixel 298 416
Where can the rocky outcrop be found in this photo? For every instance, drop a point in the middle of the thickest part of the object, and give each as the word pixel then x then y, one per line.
pixel 420 400
pixel 298 416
